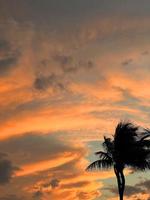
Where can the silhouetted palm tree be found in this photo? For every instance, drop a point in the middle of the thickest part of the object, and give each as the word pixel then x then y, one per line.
pixel 129 147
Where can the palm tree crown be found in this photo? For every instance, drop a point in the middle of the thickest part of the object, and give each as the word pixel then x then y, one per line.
pixel 129 147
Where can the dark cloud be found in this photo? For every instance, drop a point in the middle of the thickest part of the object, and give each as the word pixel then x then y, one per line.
pixel 75 185
pixel 63 59
pixel 11 197
pixel 145 53
pixel 127 62
pixel 68 64
pixel 111 113
pixel 6 64
pixel 54 183
pixel 85 65
pixel 44 82
pixel 129 190
pixel 69 10
pixel 34 147
pixel 65 62
pixel 37 195
pixel 144 184
pixel 22 107
pixel 6 170
pixel 139 188
pixel 67 69
pixel 4 45
pixel 8 57
pixel 132 190
pixel 89 64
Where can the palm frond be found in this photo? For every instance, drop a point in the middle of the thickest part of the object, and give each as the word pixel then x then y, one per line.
pixel 146 134
pixel 144 143
pixel 100 164
pixel 103 155
pixel 125 138
pixel 140 165
pixel 147 130
pixel 108 145
pixel 125 129
pixel 99 152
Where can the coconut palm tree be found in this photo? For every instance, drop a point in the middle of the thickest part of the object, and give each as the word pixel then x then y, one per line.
pixel 130 147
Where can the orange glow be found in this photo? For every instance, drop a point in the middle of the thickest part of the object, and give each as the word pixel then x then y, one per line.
pixel 45 165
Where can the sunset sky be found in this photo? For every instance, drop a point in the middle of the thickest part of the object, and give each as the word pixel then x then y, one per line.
pixel 70 70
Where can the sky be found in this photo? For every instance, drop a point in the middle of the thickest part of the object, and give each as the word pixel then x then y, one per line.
pixel 70 70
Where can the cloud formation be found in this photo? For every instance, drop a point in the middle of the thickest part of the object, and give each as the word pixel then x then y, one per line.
pixel 69 65
pixel 8 57
pixel 127 62
pixel 44 82
pixel 138 191
pixel 54 183
pixel 10 197
pixel 7 170
pixel 129 190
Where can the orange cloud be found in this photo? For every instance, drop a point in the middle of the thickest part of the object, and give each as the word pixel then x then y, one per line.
pixel 45 165
pixel 134 197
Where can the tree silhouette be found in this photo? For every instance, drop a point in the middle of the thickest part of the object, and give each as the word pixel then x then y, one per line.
pixel 130 147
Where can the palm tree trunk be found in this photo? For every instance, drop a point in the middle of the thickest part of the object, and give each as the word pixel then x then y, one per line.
pixel 120 181
pixel 123 183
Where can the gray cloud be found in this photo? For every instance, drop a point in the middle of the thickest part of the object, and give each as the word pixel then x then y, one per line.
pixel 144 53
pixel 144 184
pixel 69 65
pixel 6 170
pixel 130 101
pixel 68 10
pixel 44 82
pixel 127 62
pixel 34 147
pixel 8 56
pixel 76 185
pixel 141 187
pixel 85 65
pixel 129 190
pixel 66 62
pixel 132 190
pixel 6 64
pixel 128 98
pixel 54 183
pixel 4 45
pixel 11 197
pixel 37 195
pixel 63 59
pixel 89 64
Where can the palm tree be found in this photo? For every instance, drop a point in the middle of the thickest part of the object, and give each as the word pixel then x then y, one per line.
pixel 130 147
